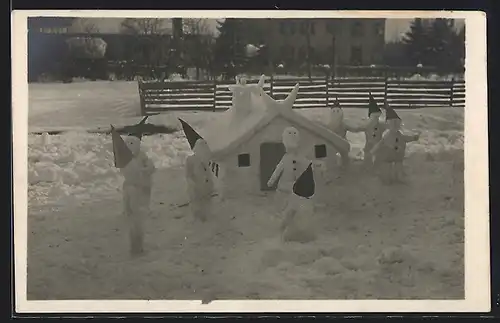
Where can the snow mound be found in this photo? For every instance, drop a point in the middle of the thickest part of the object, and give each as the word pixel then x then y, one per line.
pixel 82 164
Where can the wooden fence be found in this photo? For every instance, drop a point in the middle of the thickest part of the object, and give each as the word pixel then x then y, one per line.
pixel 320 92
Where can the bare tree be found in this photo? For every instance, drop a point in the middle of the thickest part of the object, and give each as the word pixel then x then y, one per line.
pixel 308 49
pixel 152 44
pixel 200 36
pixel 145 26
pixel 85 25
pixel 196 26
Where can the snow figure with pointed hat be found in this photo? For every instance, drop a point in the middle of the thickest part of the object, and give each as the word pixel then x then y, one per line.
pixel 296 196
pixel 373 129
pixel 296 224
pixel 199 177
pixel 137 170
pixel 390 151
pixel 339 126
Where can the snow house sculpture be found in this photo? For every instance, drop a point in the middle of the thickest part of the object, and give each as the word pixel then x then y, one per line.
pixel 246 140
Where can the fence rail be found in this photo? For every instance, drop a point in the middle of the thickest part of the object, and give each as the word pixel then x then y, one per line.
pixel 157 96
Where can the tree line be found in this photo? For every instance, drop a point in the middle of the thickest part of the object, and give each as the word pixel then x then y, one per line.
pixel 239 45
pixel 435 42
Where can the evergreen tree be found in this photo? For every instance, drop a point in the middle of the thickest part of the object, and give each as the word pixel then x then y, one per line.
pixel 229 51
pixel 459 46
pixel 416 42
pixel 442 40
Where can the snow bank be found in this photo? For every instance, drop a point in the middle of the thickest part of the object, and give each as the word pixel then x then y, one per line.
pixel 79 165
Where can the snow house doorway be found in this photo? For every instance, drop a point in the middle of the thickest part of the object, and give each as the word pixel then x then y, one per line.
pixel 270 155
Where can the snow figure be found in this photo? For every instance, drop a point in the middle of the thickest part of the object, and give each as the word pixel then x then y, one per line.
pixel 199 177
pixel 338 125
pixel 291 164
pixel 241 98
pixel 296 225
pixel 137 170
pixel 373 130
pixel 389 152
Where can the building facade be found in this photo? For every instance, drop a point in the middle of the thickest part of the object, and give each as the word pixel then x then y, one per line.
pixel 354 42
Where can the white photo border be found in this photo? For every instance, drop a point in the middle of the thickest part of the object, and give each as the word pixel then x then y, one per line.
pixel 476 182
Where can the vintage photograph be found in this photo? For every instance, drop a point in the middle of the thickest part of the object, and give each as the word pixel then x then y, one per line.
pixel 245 158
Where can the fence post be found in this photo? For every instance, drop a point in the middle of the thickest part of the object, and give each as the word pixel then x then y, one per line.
pixel 327 78
pixel 141 98
pixel 386 88
pixel 215 94
pixel 271 86
pixel 451 91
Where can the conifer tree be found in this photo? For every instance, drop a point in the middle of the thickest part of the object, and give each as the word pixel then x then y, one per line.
pixel 416 42
pixel 442 40
pixel 229 51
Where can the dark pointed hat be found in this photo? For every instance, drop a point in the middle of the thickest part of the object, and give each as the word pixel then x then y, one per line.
pixel 138 129
pixel 304 186
pixel 121 152
pixel 372 105
pixel 191 135
pixel 390 114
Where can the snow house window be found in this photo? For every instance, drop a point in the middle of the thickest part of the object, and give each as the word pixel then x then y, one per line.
pixel 243 160
pixel 320 151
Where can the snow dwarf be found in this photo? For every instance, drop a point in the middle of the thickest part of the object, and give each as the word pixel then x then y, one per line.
pixel 296 224
pixel 291 164
pixel 338 125
pixel 199 176
pixel 373 129
pixel 390 151
pixel 137 170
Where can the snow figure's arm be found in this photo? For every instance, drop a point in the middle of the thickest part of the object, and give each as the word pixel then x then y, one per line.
pixel 354 129
pixel 277 172
pixel 375 148
pixel 410 138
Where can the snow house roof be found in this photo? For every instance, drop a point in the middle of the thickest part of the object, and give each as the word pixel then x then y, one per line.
pixel 235 127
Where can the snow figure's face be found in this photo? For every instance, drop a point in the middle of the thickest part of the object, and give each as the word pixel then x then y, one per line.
pixel 202 150
pixel 375 115
pixel 336 115
pixel 394 124
pixel 291 138
pixel 134 144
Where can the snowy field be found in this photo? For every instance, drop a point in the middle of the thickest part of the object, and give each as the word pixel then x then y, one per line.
pixel 391 242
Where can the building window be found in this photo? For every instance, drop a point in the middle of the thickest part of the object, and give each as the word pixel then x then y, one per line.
pixel 312 28
pixel 379 29
pixel 243 160
pixel 292 52
pixel 283 27
pixel 312 54
pixel 302 53
pixel 320 151
pixel 303 27
pixel 357 29
pixel 283 51
pixel 292 28
pixel 356 55
pixel 330 27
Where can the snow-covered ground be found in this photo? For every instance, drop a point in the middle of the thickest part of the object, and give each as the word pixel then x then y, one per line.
pixel 391 243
